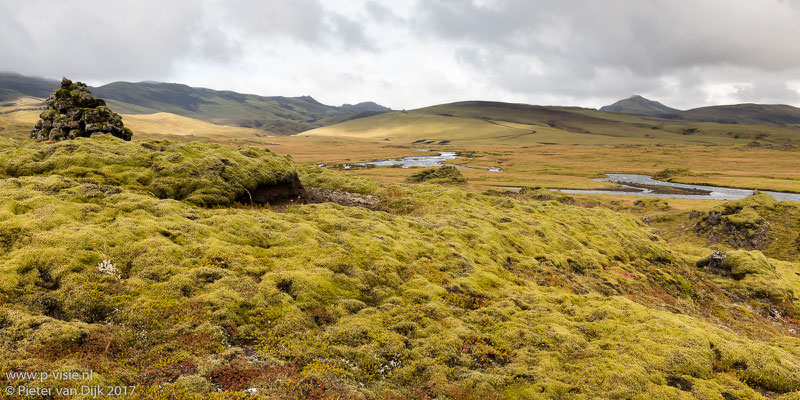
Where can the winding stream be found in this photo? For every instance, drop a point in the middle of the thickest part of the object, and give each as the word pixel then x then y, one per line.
pixel 422 161
pixel 644 185
pixel 633 184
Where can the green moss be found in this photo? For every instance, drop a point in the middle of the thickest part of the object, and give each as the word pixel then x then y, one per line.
pixel 444 294
pixel 667 173
pixel 442 175
pixel 652 203
pixel 542 194
pixel 207 175
pixel 743 263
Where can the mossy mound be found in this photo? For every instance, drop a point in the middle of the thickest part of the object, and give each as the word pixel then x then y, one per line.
pixel 204 174
pixel 738 264
pixel 752 276
pixel 442 175
pixel 668 173
pixel 651 203
pixel 543 194
pixel 739 223
pixel 72 112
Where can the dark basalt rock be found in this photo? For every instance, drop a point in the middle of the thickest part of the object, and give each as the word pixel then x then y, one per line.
pixel 739 223
pixel 715 263
pixel 73 112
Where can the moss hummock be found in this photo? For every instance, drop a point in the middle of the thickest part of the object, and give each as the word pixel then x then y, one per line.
pixel 442 175
pixel 204 174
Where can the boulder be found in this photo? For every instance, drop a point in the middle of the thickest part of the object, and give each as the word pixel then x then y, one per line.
pixel 73 112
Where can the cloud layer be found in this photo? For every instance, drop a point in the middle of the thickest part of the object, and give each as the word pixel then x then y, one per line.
pixel 407 54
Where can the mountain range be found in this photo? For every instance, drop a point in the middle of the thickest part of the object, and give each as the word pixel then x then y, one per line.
pixel 275 114
pixel 279 115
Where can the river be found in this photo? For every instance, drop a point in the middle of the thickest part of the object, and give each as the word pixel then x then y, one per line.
pixel 645 185
pixel 422 161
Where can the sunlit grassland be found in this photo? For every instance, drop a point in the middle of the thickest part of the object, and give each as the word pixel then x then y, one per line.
pixel 574 167
pixel 406 127
pixel 159 125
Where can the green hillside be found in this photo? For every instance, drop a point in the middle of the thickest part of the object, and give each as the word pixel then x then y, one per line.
pixel 432 292
pixel 481 122
pixel 279 115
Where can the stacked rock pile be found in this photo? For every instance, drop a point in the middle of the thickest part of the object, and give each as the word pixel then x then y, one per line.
pixel 72 112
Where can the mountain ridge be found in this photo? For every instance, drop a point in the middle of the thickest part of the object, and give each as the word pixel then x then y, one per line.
pixel 744 113
pixel 278 115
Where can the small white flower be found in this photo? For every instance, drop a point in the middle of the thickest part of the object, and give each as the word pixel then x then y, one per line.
pixel 106 267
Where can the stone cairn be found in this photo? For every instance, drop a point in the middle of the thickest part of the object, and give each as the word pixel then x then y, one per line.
pixel 72 112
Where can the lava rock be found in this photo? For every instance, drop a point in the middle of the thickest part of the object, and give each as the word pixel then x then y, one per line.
pixel 740 223
pixel 73 112
pixel 715 263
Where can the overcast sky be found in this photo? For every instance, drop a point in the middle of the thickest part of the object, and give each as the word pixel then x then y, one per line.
pixel 413 53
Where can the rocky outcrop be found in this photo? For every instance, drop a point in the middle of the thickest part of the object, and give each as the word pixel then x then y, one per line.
pixel 739 223
pixel 715 263
pixel 73 112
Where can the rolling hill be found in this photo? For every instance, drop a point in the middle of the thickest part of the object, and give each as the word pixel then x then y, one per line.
pixel 483 122
pixel 758 114
pixel 276 114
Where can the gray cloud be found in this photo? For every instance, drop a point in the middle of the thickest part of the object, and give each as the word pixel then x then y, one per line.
pixel 298 19
pixel 379 12
pixel 96 40
pixel 410 53
pixel 145 39
pixel 589 48
pixel 766 91
pixel 350 33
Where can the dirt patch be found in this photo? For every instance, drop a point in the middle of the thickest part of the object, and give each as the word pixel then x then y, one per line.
pixel 318 195
pixel 279 194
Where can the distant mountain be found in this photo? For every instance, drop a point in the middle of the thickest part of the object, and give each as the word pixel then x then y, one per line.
pixel 755 114
pixel 366 106
pixel 638 105
pixel 276 114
